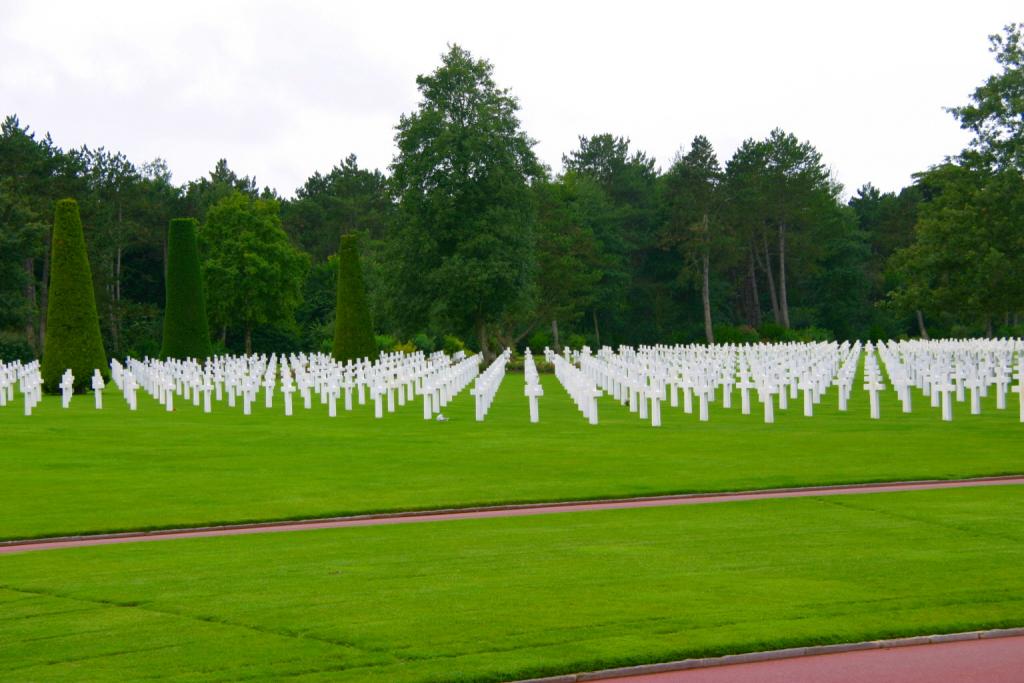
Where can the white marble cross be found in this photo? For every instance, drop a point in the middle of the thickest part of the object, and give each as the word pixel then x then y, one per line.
pixel 97 388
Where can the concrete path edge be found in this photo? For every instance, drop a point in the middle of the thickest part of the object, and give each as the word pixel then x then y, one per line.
pixel 769 655
pixel 455 513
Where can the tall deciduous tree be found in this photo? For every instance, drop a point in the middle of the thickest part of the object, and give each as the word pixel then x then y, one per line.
pixel 253 273
pixel 690 194
pixel 568 254
pixel 462 256
pixel 995 114
pixel 113 185
pixel 625 225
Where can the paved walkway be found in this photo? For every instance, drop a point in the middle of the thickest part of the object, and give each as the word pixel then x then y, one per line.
pixel 498 511
pixel 997 660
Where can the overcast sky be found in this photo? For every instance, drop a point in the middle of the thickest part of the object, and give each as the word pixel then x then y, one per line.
pixel 285 89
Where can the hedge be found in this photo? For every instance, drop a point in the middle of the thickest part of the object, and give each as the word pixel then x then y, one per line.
pixel 186 329
pixel 353 329
pixel 73 338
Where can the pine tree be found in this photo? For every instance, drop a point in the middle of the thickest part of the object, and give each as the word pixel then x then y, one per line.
pixel 353 329
pixel 73 328
pixel 186 328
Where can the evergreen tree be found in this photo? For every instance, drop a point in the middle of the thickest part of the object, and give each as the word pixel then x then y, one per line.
pixel 186 329
pixel 73 331
pixel 353 329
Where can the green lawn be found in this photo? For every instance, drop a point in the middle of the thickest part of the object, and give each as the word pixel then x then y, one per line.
pixel 509 598
pixel 80 470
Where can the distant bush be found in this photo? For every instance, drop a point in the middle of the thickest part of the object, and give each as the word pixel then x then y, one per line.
pixel 542 365
pixel 538 340
pixel 451 345
pixel 14 347
pixel 773 332
pixel 575 341
pixel 385 342
pixel 1010 331
pixel 736 334
pixel 812 334
pixel 424 343
pixel 404 347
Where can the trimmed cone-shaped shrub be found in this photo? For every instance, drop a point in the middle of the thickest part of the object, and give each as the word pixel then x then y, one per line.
pixel 186 329
pixel 353 330
pixel 73 338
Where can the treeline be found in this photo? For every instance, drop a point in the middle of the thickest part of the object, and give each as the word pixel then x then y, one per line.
pixel 469 237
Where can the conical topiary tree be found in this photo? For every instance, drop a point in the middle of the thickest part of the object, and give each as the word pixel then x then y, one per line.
pixel 353 330
pixel 186 329
pixel 73 338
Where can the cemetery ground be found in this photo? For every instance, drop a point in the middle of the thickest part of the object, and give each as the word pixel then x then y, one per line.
pixel 81 470
pixel 510 598
pixel 500 598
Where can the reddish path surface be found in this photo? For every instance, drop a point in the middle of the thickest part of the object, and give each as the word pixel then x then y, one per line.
pixel 997 660
pixel 498 511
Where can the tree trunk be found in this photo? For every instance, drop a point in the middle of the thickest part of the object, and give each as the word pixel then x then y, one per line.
pixel 988 327
pixel 30 300
pixel 770 276
pixel 920 325
pixel 117 299
pixel 783 299
pixel 554 336
pixel 706 297
pixel 597 331
pixel 224 335
pixel 481 335
pixel 248 339
pixel 755 296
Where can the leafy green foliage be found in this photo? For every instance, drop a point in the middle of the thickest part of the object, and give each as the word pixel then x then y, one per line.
pixel 73 332
pixel 969 245
pixel 346 200
pixel 353 328
pixel 186 327
pixel 462 251
pixel 995 114
pixel 253 273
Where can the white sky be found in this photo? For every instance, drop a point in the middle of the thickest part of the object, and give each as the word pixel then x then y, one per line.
pixel 284 89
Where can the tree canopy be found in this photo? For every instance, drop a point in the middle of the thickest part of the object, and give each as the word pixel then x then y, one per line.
pixel 467 236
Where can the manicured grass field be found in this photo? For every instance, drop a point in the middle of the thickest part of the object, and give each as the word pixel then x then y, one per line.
pixel 80 470
pixel 487 600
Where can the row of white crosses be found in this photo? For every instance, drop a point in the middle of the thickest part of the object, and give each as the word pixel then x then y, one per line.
pixel 943 371
pixel 394 379
pixel 533 390
pixel 578 385
pixel 948 370
pixel 26 378
pixel 441 384
pixel 487 383
pixel 646 377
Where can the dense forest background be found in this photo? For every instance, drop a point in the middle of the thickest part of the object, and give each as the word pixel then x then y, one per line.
pixel 467 237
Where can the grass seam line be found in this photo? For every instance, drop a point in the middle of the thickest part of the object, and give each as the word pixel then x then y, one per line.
pixel 494 511
pixel 771 655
